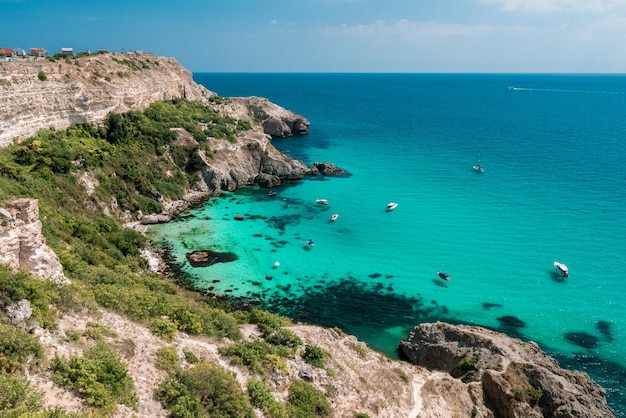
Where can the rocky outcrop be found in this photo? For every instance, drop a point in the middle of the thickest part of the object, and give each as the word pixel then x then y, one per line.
pixel 502 376
pixel 41 93
pixel 23 245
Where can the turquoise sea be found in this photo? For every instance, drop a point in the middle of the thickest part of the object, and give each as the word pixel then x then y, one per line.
pixel 554 189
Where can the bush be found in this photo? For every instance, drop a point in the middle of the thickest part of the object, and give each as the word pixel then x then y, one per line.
pixel 261 397
pixel 284 337
pixel 254 355
pixel 306 401
pixel 202 391
pixel 163 328
pixel 17 349
pixel 167 359
pixel 41 75
pixel 98 376
pixel 315 356
pixel 18 399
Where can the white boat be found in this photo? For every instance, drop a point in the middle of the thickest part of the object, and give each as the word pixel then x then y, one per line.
pixel 392 206
pixel 334 216
pixel 443 275
pixel 479 168
pixel 321 201
pixel 562 268
pixel 309 242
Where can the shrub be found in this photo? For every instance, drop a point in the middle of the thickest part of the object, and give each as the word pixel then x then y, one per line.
pixel 252 354
pixel 204 390
pixel 41 75
pixel 306 401
pixel 163 328
pixel 17 349
pixel 167 359
pixel 98 376
pixel 261 397
pixel 284 337
pixel 17 399
pixel 314 355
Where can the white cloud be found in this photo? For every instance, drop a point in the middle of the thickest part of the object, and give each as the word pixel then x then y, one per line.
pixel 556 5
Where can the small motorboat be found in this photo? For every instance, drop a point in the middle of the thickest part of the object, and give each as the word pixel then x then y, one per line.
pixel 562 268
pixel 334 216
pixel 392 206
pixel 272 193
pixel 309 242
pixel 478 168
pixel 443 275
pixel 321 201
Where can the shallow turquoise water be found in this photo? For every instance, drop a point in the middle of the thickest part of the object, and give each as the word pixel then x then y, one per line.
pixel 554 188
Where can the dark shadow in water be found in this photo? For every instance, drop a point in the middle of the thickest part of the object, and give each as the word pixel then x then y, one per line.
pixel 604 328
pixel 556 276
pixel 582 339
pixel 511 321
pixel 489 305
pixel 355 307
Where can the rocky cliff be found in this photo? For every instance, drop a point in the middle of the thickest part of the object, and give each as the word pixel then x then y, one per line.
pixel 493 375
pixel 457 371
pixel 23 245
pixel 42 94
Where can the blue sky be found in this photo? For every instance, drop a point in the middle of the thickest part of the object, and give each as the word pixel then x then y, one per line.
pixel 520 36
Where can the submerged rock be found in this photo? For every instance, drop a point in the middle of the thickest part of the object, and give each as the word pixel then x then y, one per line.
pixel 511 321
pixel 582 339
pixel 205 258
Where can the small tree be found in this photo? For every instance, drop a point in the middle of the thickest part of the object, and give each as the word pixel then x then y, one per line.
pixel 42 76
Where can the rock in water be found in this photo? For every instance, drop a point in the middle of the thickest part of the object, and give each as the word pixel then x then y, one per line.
pixel 205 258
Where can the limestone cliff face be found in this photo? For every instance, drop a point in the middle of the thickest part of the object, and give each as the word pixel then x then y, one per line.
pixel 86 89
pixel 23 245
pixel 253 159
pixel 493 375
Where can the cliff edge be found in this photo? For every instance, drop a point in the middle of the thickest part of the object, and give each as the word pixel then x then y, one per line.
pixel 42 93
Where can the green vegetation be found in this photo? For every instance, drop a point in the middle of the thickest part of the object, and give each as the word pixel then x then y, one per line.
pixel 134 160
pixel 315 356
pixel 402 375
pixel 98 376
pixel 202 391
pixel 258 356
pixel 18 350
pixel 261 397
pixel 167 358
pixel 306 401
pixel 41 75
pixel 528 394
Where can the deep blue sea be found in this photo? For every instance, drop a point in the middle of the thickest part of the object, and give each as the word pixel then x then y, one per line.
pixel 554 189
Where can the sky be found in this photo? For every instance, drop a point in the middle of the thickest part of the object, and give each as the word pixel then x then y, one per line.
pixel 407 36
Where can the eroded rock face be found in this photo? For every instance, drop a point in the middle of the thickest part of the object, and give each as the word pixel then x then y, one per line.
pixel 86 89
pixel 23 245
pixel 504 376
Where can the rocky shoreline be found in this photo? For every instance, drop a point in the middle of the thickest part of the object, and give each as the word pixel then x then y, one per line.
pixel 452 371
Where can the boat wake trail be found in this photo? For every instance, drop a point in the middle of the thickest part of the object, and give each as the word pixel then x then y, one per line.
pixel 566 91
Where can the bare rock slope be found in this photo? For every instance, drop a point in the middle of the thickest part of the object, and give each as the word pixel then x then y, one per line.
pixel 42 94
pixel 22 243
